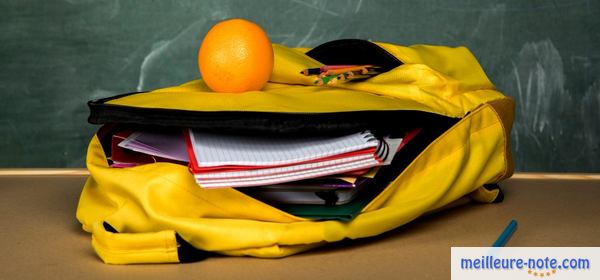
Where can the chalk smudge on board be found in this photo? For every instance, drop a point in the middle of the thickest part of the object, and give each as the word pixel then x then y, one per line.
pixel 165 52
pixel 537 79
pixel 549 118
pixel 319 8
pixel 540 78
pixel 590 116
pixel 358 6
pixel 157 48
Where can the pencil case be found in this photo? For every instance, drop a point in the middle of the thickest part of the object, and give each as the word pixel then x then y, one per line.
pixel 156 213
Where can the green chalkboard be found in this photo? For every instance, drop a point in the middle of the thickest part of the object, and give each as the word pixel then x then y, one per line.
pixel 56 55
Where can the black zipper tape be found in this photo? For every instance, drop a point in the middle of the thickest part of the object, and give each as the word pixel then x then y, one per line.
pixel 380 122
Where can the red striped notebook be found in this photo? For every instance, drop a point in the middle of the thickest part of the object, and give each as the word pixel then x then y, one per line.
pixel 227 160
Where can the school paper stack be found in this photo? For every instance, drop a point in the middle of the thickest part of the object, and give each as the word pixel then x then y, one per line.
pixel 227 160
pixel 131 148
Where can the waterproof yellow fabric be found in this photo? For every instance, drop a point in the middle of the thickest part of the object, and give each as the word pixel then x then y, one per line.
pixel 154 201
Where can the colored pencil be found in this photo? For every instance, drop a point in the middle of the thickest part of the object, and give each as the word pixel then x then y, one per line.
pixel 319 70
pixel 361 69
pixel 331 74
pixel 311 71
pixel 327 80
pixel 506 234
pixel 352 76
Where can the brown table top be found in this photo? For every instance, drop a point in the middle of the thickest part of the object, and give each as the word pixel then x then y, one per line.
pixel 41 239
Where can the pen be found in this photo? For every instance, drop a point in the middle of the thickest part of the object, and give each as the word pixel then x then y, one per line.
pixel 506 234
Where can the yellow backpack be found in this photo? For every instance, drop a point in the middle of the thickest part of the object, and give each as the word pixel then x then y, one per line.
pixel 157 213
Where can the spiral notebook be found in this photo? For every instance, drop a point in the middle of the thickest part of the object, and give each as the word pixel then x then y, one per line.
pixel 227 160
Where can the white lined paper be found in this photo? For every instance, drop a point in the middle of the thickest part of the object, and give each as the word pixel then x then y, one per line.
pixel 221 149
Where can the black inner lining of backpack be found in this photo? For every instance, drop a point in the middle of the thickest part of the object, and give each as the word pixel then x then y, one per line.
pixel 282 125
pixel 354 52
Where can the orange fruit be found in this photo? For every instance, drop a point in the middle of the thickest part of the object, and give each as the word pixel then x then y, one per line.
pixel 235 56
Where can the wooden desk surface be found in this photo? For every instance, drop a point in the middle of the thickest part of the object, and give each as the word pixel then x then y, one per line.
pixel 41 239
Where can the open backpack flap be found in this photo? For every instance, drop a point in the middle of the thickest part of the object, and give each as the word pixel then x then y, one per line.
pixel 157 213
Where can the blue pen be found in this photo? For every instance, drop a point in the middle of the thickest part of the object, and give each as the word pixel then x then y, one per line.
pixel 506 234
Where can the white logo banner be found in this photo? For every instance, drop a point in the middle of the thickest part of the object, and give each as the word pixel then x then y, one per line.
pixel 552 263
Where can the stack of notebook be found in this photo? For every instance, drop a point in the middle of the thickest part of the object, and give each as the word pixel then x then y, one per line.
pixel 221 160
pixel 311 177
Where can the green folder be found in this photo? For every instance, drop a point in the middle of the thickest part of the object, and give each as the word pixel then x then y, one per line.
pixel 343 212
